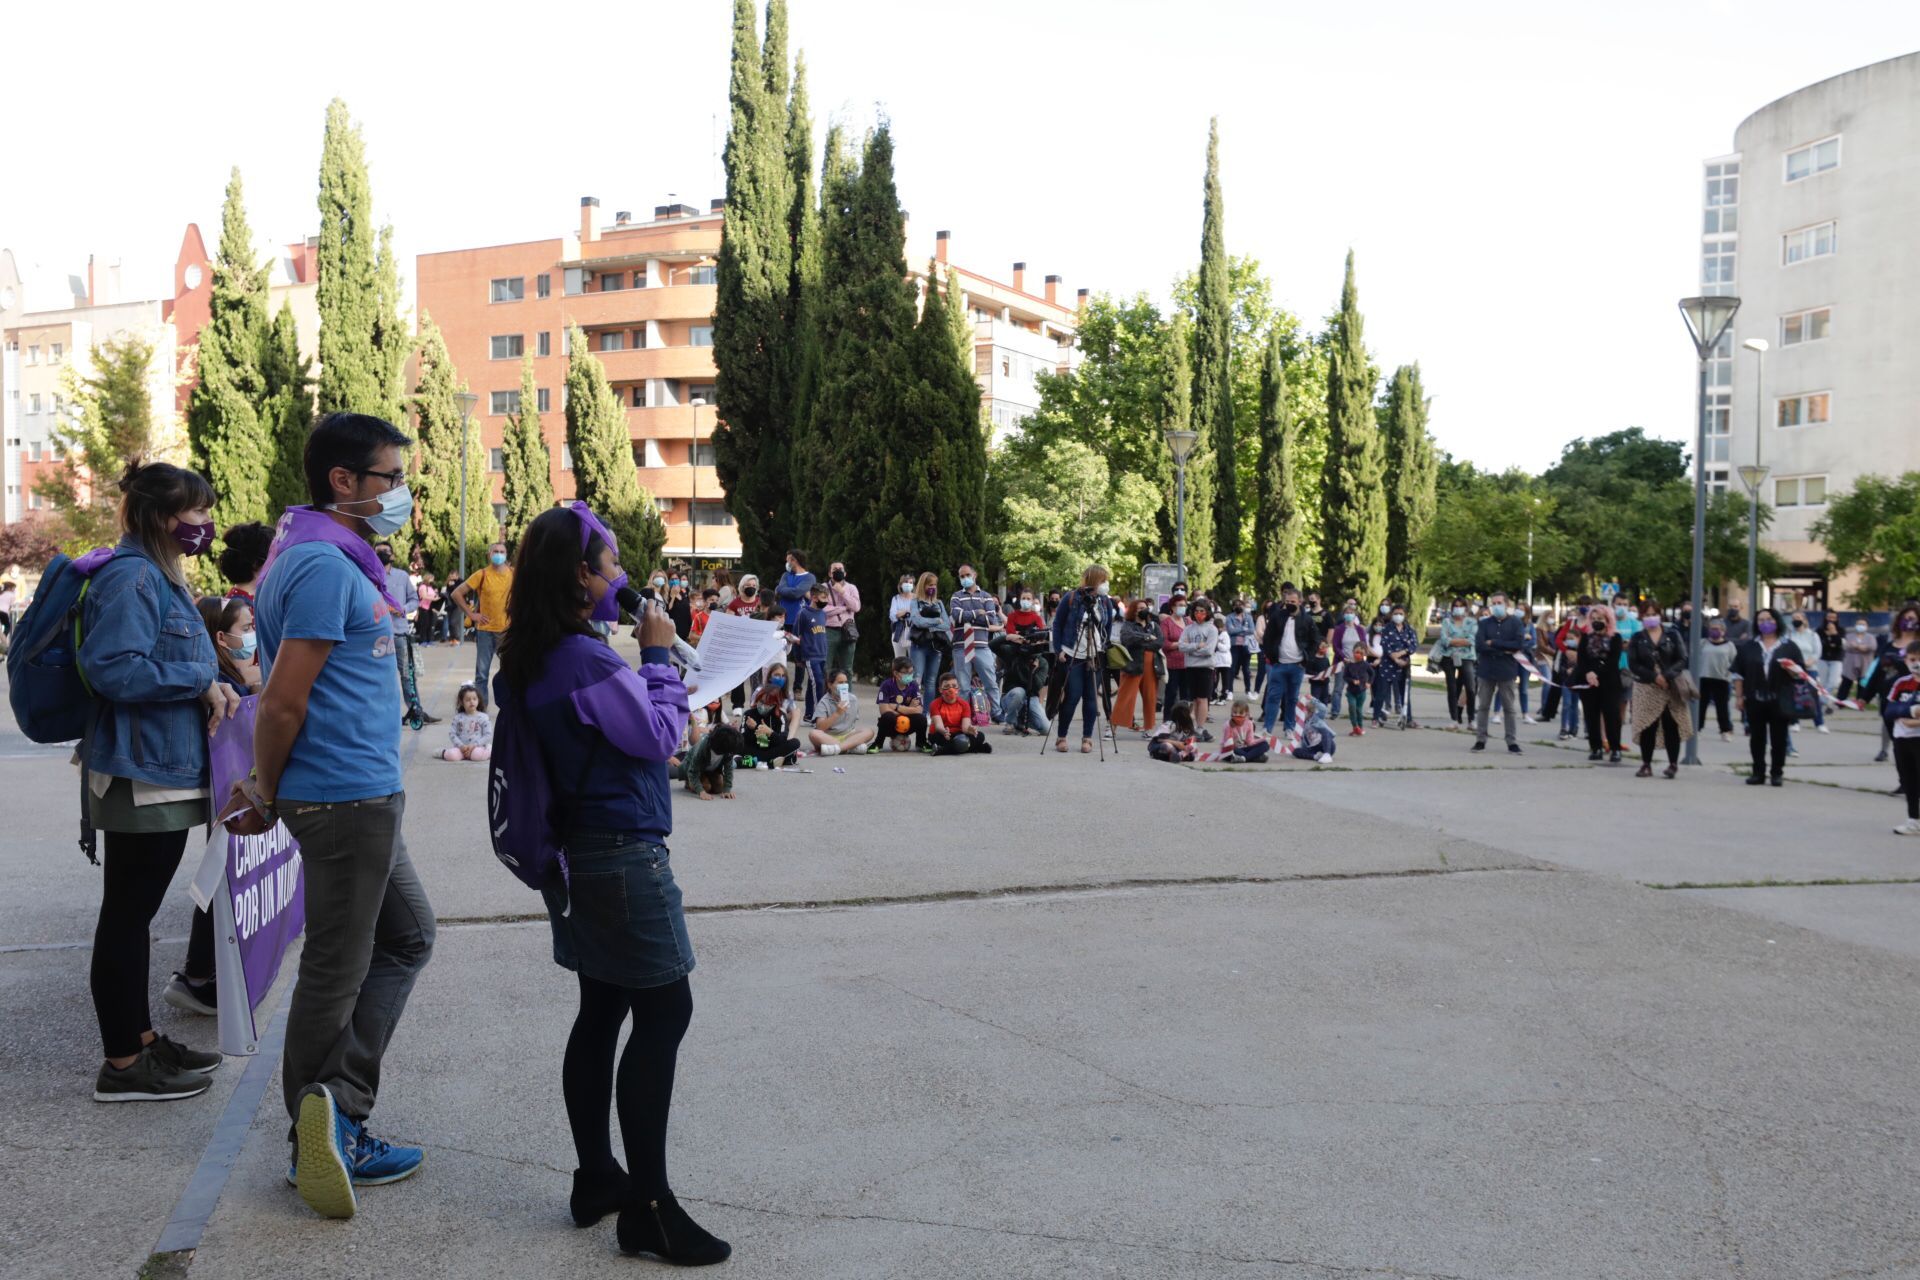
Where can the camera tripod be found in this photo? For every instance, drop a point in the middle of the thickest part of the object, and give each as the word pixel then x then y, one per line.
pixel 1093 668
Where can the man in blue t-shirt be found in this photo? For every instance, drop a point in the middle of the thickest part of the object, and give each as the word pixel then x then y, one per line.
pixel 327 763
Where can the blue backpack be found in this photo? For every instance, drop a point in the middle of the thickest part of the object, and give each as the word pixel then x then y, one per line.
pixel 51 699
pixel 520 798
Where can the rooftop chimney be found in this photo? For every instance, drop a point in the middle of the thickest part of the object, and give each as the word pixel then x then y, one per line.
pixel 589 219
pixel 1053 290
pixel 1019 277
pixel 717 205
pixel 623 217
pixel 940 239
pixel 1083 299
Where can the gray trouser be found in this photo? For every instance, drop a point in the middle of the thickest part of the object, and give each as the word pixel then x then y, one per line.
pixel 369 933
pixel 1509 708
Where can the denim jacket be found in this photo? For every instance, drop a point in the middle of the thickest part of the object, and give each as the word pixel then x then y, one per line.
pixel 148 657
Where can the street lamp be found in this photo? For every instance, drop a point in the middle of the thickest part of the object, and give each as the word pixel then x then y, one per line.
pixel 1707 320
pixel 467 400
pixel 1181 443
pixel 1755 476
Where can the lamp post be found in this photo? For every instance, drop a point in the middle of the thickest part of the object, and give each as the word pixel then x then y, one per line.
pixel 1707 320
pixel 1756 475
pixel 693 494
pixel 1181 443
pixel 467 400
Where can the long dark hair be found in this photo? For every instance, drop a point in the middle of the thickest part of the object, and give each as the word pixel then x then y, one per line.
pixel 545 602
pixel 152 495
pixel 220 615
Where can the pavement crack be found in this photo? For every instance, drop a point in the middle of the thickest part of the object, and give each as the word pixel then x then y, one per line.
pixel 494 1155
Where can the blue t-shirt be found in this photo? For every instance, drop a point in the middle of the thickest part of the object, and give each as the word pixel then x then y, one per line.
pixel 349 747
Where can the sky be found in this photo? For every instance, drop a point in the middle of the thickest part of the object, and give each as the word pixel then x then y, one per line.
pixel 1520 182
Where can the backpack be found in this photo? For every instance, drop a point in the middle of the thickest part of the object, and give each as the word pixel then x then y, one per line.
pixel 520 800
pixel 51 699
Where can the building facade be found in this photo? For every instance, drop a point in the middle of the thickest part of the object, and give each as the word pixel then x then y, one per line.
pixel 1811 221
pixel 643 293
pixel 292 281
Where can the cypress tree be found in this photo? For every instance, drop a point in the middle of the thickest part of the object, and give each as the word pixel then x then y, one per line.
pixel 1213 374
pixel 1176 414
pixel 1412 475
pixel 1354 559
pixel 529 465
pixel 1277 520
pixel 945 404
pixel 801 369
pixel 754 280
pixel 392 344
pixel 959 323
pixel 351 375
pixel 231 441
pixel 603 472
pixel 436 479
pixel 288 412
pixel 839 170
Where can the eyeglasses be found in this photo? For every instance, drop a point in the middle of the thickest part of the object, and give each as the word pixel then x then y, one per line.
pixel 393 478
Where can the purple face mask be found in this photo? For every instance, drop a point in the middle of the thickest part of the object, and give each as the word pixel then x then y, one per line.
pixel 607 607
pixel 1767 626
pixel 193 539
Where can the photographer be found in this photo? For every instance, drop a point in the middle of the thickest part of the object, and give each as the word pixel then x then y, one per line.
pixel 1082 630
pixel 1023 680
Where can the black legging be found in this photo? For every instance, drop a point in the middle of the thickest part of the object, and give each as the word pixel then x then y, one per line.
pixel 890 728
pixel 1713 692
pixel 1767 723
pixel 1460 677
pixel 660 1017
pixel 1602 707
pixel 138 868
pixel 1665 724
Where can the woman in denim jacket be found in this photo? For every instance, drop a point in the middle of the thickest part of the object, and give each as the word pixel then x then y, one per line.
pixel 147 657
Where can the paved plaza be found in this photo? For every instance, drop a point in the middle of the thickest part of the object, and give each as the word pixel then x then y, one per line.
pixel 1421 1013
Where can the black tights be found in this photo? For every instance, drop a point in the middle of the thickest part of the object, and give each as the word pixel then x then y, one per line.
pixel 1665 724
pixel 660 1017
pixel 138 868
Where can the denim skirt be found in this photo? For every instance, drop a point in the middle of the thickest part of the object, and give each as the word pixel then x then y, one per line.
pixel 622 923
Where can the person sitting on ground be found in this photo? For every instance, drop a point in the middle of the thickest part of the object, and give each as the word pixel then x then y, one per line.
pixel 836 717
pixel 471 737
pixel 950 723
pixel 898 703
pixel 1022 656
pixel 1173 742
pixel 1316 741
pixel 770 719
pixel 1241 739
pixel 707 767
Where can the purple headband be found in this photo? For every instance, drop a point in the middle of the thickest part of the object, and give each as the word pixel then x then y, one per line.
pixel 590 525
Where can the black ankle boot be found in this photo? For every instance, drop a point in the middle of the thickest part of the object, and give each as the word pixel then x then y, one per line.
pixel 595 1195
pixel 662 1228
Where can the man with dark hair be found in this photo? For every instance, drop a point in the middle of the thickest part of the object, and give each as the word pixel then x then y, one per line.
pixel 327 763
pixel 1290 635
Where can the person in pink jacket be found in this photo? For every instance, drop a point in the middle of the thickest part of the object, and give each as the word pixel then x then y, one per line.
pixel 1242 740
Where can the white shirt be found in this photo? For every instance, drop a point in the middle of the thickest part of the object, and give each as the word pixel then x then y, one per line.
pixel 1289 647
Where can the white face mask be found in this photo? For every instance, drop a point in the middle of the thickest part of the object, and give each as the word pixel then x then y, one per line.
pixel 1860 626
pixel 1102 589
pixel 1179 611
pixel 1399 618
pixel 906 588
pixel 841 690
pixel 1026 606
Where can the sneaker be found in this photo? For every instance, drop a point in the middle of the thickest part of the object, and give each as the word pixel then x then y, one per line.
pixel 1908 828
pixel 1820 728
pixel 179 1057
pixel 1206 735
pixel 1726 737
pixel 829 749
pixel 376 1162
pixel 202 998
pixel 148 1078
pixel 322 1161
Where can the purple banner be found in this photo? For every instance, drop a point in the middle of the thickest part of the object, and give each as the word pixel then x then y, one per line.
pixel 261 897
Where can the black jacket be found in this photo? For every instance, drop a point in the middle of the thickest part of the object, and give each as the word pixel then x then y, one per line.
pixel 1598 657
pixel 1645 662
pixel 1023 661
pixel 1306 632
pixel 1138 639
pixel 1762 677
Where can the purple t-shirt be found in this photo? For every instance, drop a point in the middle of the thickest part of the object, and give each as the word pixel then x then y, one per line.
pixel 896 691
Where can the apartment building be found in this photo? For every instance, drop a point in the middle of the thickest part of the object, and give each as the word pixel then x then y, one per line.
pixel 1810 222
pixel 292 280
pixel 1018 336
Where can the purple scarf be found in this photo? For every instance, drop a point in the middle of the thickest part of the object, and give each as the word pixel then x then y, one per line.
pixel 305 524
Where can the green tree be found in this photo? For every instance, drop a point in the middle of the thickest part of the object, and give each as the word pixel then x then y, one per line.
pixel 1278 519
pixel 945 406
pixel 392 343
pixel 1213 372
pixel 1175 414
pixel 1412 470
pixel 1478 541
pixel 109 428
pixel 287 412
pixel 1355 554
pixel 1062 509
pixel 799 371
pixel 230 439
pixel 528 486
pixel 444 433
pixel 1875 529
pixel 603 472
pixel 352 377
pixel 754 283
pixel 839 169
pixel 1622 499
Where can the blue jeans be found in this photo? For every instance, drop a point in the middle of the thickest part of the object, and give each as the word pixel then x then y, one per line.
pixel 1523 691
pixel 926 669
pixel 1283 691
pixel 1015 701
pixel 1082 685
pixel 484 644
pixel 1569 711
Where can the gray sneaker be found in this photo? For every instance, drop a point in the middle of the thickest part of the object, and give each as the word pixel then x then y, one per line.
pixel 180 1058
pixel 148 1078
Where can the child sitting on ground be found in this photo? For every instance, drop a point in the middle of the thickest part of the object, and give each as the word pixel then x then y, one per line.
pixel 1241 740
pixel 1173 740
pixel 950 726
pixel 708 768
pixel 472 731
pixel 1356 679
pixel 901 714
pixel 1316 741
pixel 836 717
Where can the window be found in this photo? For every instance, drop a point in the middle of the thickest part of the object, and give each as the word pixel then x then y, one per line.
pixel 507 289
pixel 615 341
pixel 33 355
pixel 702 275
pixel 576 281
pixel 1800 491
pixel 33 403
pixel 33 451
pixel 59 353
pixel 1808 242
pixel 34 502
pixel 1817 157
pixel 543 344
pixel 1716 264
pixel 566 342
pixel 1723 184
pixel 639 339
pixel 1716 480
pixel 1721 222
pixel 496 459
pixel 543 399
pixel 611 280
pixel 1806 410
pixel 711 513
pixel 566 457
pixel 640 278
pixel 702 453
pixel 1805 326
pixel 700 335
pixel 1719 426
pixel 664 506
pixel 543 286
pixel 503 402
pixel 700 393
pixel 509 346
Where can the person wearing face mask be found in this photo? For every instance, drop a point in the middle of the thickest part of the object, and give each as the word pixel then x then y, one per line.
pixel 1716 667
pixel 811 631
pixel 1900 713
pixel 950 727
pixel 326 755
pixel 1596 674
pixel 400 587
pixel 795 589
pixel 1885 669
pixel 1857 648
pixel 977 619
pixel 1083 627
pixel 1566 658
pixel 1198 643
pixel 1497 638
pixel 1239 628
pixel 1172 622
pixel 679 601
pixel 243 553
pixel 1139 681
pixel 230 623
pixel 1289 637
pixel 836 717
pixel 1764 690
pixel 770 719
pixel 1453 651
pixel 1657 660
pixel 929 632
pixel 898 610
pixel 483 599
pixel 1021 652
pixel 1392 690
pixel 1739 629
pixel 1348 630
pixel 155 677
pixel 843 610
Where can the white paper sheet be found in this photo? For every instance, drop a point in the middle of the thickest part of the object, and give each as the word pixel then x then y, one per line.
pixel 731 649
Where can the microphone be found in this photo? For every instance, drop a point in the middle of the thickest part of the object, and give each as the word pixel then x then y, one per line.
pixel 630 600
